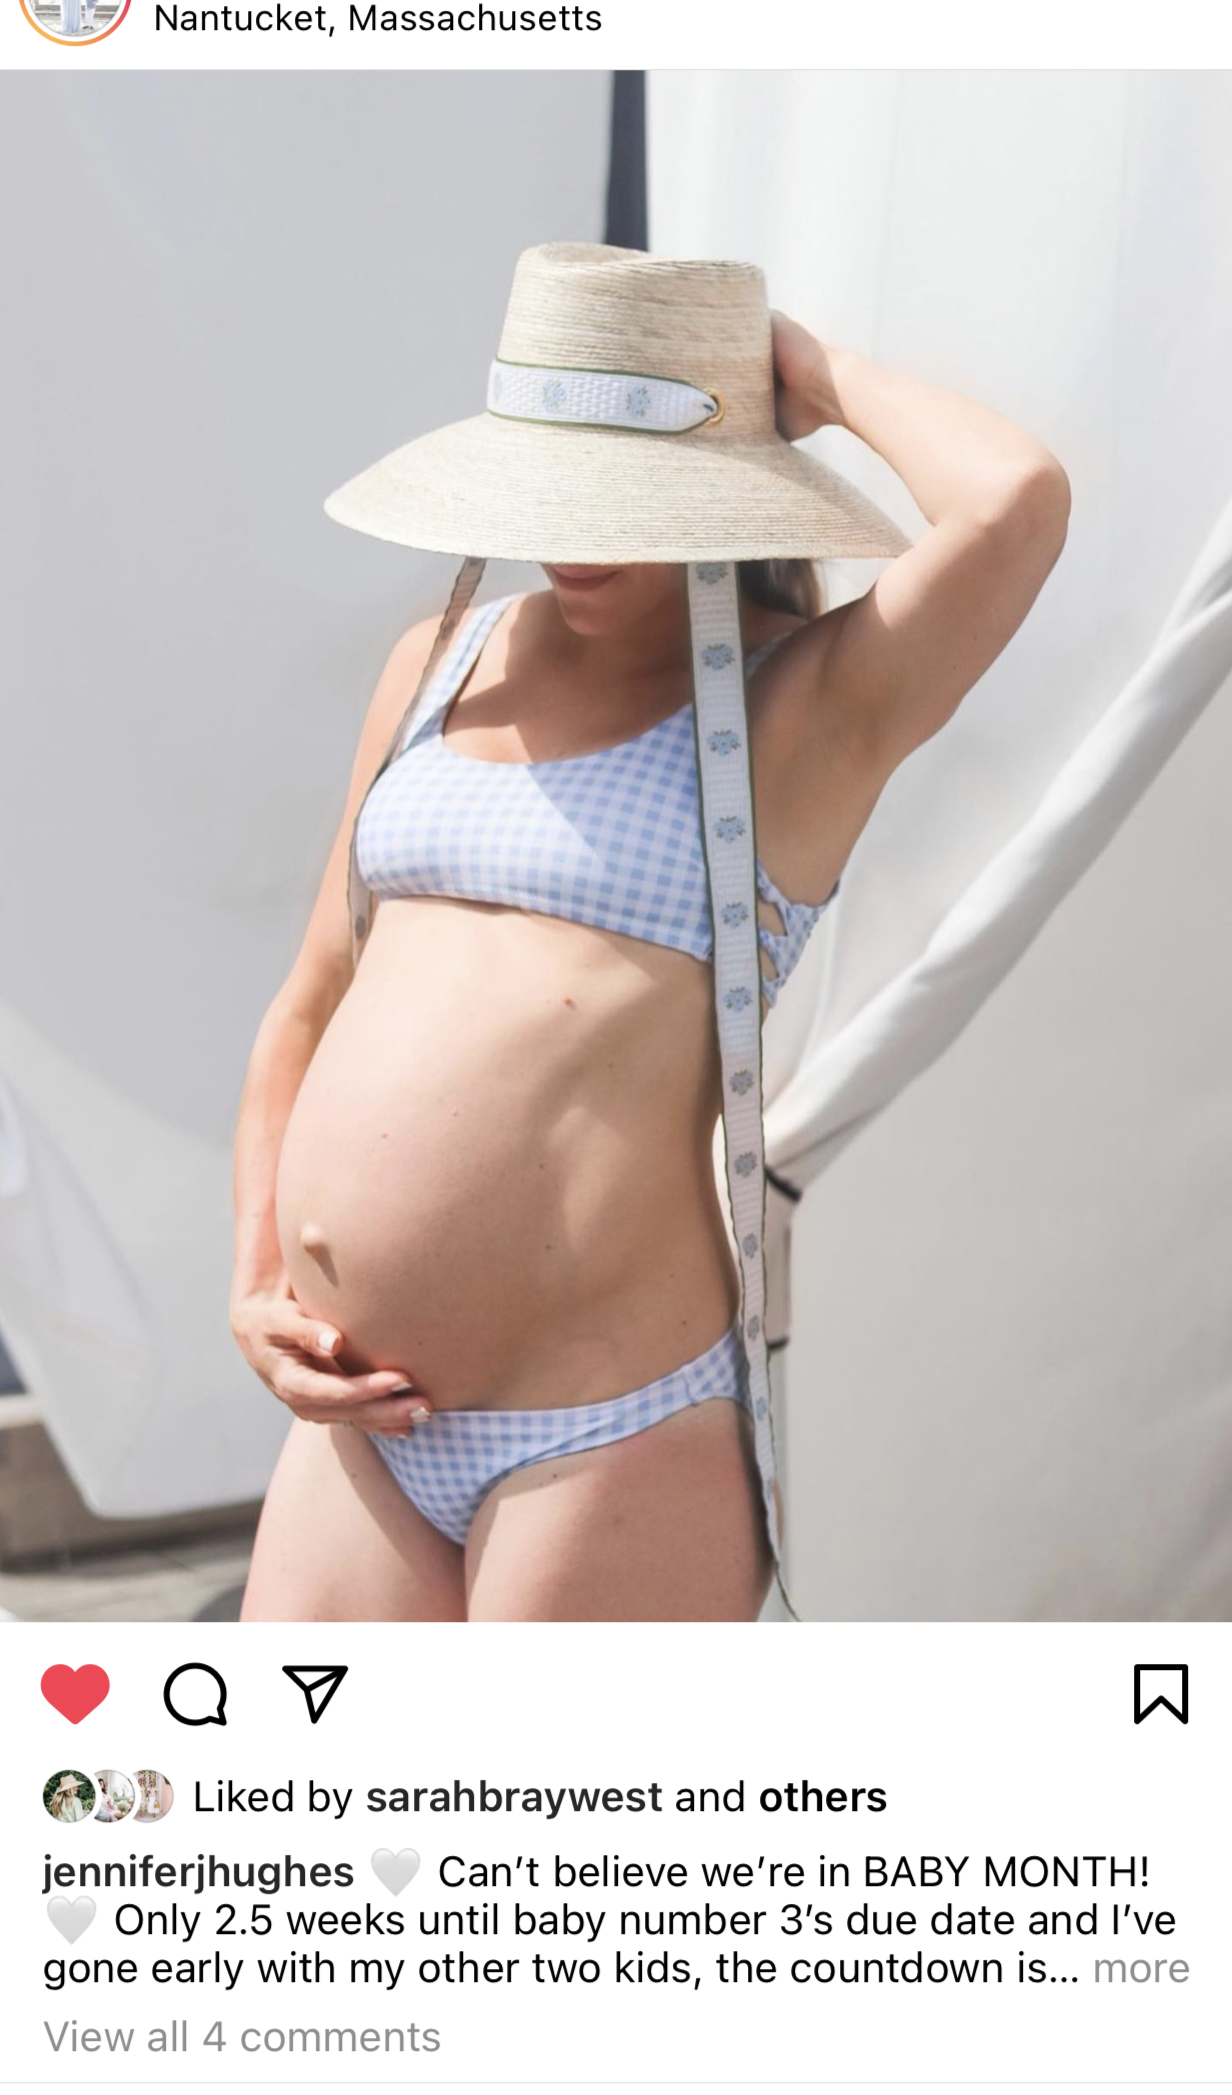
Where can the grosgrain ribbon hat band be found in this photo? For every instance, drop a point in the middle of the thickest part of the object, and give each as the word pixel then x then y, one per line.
pixel 601 399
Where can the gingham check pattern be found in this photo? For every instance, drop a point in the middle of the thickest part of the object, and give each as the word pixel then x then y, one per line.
pixel 612 839
pixel 608 399
pixel 448 1465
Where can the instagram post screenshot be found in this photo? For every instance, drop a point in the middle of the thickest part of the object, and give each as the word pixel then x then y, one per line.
pixel 615 1046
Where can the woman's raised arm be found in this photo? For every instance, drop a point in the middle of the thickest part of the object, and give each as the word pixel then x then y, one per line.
pixel 898 660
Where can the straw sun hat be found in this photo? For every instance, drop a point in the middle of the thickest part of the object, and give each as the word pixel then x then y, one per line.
pixel 629 417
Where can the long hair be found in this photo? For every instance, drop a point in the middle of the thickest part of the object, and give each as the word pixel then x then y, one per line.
pixel 784 585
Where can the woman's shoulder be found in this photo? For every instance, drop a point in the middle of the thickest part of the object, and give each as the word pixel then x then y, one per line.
pixel 409 655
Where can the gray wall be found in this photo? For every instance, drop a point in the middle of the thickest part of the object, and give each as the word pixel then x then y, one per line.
pixel 231 293
pixel 225 294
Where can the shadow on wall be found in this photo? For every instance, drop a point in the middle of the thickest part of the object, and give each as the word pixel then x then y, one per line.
pixel 10 1380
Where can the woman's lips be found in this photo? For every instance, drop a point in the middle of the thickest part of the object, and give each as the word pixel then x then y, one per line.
pixel 581 578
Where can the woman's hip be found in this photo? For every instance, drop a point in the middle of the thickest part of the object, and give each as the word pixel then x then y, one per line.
pixel 449 1464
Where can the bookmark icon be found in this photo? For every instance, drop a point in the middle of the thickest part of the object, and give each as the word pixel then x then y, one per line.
pixel 1161 1687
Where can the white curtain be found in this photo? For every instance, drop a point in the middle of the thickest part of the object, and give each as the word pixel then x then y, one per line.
pixel 1009 1387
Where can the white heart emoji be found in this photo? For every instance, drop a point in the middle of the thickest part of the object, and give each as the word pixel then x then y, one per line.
pixel 71 1917
pixel 395 1871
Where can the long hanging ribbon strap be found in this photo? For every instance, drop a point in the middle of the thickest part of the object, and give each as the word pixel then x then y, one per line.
pixel 630 400
pixel 361 903
pixel 725 783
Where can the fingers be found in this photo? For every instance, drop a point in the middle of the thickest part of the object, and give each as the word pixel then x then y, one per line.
pixel 274 1319
pixel 287 1324
pixel 295 1355
pixel 394 1427
pixel 380 1402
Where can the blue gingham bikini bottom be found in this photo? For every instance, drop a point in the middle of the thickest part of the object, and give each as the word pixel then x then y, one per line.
pixel 448 1465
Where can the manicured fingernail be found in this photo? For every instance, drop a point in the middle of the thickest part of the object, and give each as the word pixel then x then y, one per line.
pixel 327 1339
pixel 420 1413
pixel 401 1389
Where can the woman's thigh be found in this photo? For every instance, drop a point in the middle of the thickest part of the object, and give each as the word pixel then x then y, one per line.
pixel 666 1526
pixel 338 1541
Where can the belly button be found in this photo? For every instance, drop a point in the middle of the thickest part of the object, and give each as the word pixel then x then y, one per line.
pixel 312 1237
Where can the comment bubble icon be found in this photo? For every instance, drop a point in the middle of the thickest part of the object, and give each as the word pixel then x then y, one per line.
pixel 196 1694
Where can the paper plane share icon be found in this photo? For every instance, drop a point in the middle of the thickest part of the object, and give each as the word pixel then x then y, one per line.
pixel 319 1685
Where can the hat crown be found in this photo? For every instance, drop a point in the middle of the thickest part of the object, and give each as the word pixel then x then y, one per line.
pixel 596 308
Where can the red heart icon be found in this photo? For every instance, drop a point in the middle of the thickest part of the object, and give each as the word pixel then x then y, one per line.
pixel 75 1691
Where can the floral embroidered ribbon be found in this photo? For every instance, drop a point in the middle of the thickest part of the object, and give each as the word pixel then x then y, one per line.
pixel 725 785
pixel 606 399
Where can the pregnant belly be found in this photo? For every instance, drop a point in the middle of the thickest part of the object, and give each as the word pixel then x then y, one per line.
pixel 497 1175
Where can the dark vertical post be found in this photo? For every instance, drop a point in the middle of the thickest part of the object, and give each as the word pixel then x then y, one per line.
pixel 627 224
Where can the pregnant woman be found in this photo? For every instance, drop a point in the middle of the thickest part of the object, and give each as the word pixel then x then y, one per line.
pixel 481 1254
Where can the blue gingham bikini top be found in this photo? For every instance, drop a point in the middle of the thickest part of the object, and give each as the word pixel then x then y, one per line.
pixel 611 838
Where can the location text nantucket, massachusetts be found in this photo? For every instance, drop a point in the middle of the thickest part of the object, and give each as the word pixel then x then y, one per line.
pixel 189 20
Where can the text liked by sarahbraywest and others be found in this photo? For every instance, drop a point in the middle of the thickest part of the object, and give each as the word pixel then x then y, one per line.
pixel 371 15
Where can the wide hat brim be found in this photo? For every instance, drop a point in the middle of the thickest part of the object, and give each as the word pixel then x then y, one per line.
pixel 543 492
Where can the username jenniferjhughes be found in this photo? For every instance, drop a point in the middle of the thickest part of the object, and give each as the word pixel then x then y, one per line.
pixel 375 17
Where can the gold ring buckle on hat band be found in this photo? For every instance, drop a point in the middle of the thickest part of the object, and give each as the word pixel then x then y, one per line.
pixel 601 399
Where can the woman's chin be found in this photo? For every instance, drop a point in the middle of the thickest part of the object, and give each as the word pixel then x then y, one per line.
pixel 597 600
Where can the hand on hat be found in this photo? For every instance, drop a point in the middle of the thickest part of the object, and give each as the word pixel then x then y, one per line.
pixel 804 395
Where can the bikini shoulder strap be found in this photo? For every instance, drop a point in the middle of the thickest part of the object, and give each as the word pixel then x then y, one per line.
pixel 455 665
pixel 361 903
